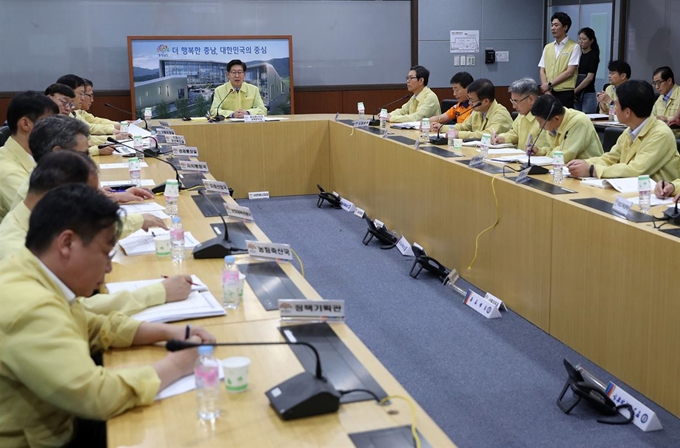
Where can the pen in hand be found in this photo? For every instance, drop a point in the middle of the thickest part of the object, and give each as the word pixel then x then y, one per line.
pixel 190 282
pixel 663 189
pixel 187 332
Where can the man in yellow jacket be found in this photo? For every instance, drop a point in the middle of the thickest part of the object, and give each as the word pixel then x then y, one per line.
pixel 62 167
pixel 523 94
pixel 488 115
pixel 424 102
pixel 647 146
pixel 16 158
pixel 49 385
pixel 559 61
pixel 566 130
pixel 667 104
pixel 237 98
pixel 619 72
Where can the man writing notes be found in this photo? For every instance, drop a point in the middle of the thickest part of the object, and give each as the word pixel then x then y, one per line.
pixel 523 94
pixel 237 98
pixel 647 146
pixel 559 123
pixel 559 61
pixel 488 115
pixel 50 388
pixel 424 102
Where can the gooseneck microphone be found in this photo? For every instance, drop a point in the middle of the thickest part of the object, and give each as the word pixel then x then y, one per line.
pixel 535 169
pixel 375 122
pixel 439 140
pixel 158 188
pixel 303 395
pixel 146 125
pixel 218 116
pixel 218 247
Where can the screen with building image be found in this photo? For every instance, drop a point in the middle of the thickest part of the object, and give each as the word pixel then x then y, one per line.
pixel 177 76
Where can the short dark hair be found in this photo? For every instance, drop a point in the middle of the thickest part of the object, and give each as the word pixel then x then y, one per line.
pixel 421 72
pixel 234 62
pixel 60 88
pixel 59 168
pixel 72 81
pixel 547 107
pixel 29 104
pixel 58 130
pixel 621 67
pixel 484 89
pixel 75 206
pixel 665 72
pixel 563 17
pixel 88 83
pixel 638 96
pixel 462 78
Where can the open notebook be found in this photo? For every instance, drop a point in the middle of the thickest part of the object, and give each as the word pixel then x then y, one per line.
pixel 623 185
pixel 522 158
pixel 141 242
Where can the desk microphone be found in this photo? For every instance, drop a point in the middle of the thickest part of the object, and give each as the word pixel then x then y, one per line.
pixel 439 140
pixel 304 395
pixel 535 169
pixel 375 122
pixel 219 117
pixel 220 246
pixel 158 188
pixel 146 125
pixel 673 216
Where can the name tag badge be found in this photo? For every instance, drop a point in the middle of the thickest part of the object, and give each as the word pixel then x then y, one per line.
pixel 360 123
pixel 190 151
pixel 258 195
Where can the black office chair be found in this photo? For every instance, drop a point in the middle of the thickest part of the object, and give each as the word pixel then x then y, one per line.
pixel 514 114
pixel 611 134
pixel 4 134
pixel 677 143
pixel 448 104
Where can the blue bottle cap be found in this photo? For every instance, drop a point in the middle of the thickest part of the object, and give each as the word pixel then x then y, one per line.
pixel 229 259
pixel 176 219
pixel 205 350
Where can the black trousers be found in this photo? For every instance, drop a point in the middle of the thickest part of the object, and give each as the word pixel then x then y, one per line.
pixel 566 97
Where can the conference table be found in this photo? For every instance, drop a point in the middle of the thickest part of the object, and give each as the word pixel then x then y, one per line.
pixel 247 418
pixel 601 284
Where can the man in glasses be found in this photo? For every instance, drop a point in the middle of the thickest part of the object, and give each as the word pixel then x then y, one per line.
pixel 488 117
pixel 16 158
pixel 63 96
pixel 424 102
pixel 667 104
pixel 523 94
pixel 98 126
pixel 237 98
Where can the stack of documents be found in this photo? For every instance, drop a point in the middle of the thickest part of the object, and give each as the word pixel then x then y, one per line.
pixel 141 242
pixel 478 143
pixel 122 165
pixel 535 160
pixel 499 151
pixel 623 185
pixel 152 208
pixel 120 183
pixel 407 125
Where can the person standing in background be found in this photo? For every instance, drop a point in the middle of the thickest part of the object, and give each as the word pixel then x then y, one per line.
pixel 585 98
pixel 559 61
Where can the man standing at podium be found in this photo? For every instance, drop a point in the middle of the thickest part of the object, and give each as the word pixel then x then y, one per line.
pixel 237 98
pixel 424 102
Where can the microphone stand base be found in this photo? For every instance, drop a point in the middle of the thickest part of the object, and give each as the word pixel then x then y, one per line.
pixel 303 395
pixel 374 122
pixel 215 248
pixel 534 169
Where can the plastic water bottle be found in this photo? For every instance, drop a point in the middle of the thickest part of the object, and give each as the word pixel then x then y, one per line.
pixel 230 274
pixel 177 239
pixel 124 127
pixel 612 112
pixel 644 193
pixel 425 130
pixel 451 136
pixel 484 145
pixel 135 171
pixel 171 195
pixel 362 111
pixel 138 144
pixel 207 375
pixel 558 163
pixel 148 115
pixel 383 120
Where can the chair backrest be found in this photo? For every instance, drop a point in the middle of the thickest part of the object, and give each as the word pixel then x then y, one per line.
pixel 448 104
pixel 611 134
pixel 4 134
pixel 677 143
pixel 514 114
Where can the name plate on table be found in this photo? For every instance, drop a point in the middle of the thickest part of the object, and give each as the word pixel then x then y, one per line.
pixel 174 139
pixel 316 310
pixel 253 118
pixel 164 123
pixel 643 417
pixel 165 131
pixel 360 123
pixel 481 305
pixel 347 206
pixel 269 250
pixel 190 151
pixel 215 186
pixel 258 195
pixel 622 206
pixel 496 301
pixel 523 176
pixel 416 145
pixel 405 247
pixel 201 167
pixel 359 212
pixel 236 211
pixel 477 161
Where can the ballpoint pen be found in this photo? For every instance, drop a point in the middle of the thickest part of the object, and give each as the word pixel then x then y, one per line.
pixel 190 282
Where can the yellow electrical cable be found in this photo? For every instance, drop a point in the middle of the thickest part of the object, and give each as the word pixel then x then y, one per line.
pixel 495 198
pixel 302 267
pixel 413 414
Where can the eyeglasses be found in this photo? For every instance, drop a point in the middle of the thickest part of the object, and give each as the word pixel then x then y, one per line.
pixel 408 78
pixel 112 253
pixel 237 73
pixel 658 83
pixel 67 104
pixel 515 102
pixel 91 95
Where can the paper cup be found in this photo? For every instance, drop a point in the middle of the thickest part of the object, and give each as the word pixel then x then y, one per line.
pixel 236 373
pixel 458 144
pixel 162 243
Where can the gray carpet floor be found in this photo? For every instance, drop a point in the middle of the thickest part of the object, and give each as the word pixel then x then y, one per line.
pixel 487 383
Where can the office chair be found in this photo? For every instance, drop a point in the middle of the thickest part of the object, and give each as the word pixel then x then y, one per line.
pixel 4 134
pixel 611 134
